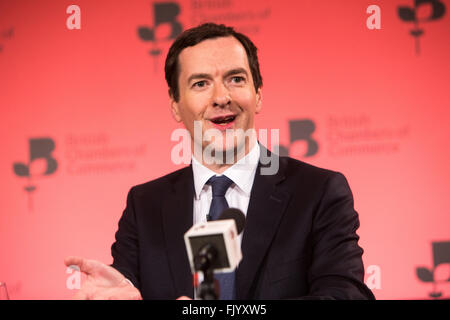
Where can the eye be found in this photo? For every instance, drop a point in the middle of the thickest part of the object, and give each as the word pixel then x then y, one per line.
pixel 237 79
pixel 199 84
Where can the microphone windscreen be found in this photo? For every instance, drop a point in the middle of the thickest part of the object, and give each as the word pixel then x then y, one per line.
pixel 237 215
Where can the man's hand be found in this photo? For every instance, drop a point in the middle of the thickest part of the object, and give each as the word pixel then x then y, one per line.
pixel 103 282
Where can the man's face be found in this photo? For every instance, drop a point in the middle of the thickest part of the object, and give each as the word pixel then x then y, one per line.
pixel 216 88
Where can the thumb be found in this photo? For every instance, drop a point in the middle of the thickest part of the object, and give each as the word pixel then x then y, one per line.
pixel 96 269
pixel 87 266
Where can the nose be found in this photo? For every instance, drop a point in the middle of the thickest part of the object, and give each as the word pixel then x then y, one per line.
pixel 221 96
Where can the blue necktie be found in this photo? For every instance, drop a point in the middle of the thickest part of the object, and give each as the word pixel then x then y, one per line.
pixel 220 185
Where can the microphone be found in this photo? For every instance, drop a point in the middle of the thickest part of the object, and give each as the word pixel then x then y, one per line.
pixel 235 214
pixel 214 245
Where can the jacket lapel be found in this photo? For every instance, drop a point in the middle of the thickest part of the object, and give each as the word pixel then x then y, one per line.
pixel 177 219
pixel 268 202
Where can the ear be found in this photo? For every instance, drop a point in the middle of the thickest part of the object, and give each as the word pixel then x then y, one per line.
pixel 175 108
pixel 258 100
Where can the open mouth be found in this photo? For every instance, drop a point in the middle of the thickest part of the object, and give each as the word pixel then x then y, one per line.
pixel 223 120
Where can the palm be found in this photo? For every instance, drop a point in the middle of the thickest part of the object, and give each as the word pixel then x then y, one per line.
pixel 102 281
pixel 104 276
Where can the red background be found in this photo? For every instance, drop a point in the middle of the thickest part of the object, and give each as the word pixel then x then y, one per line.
pixel 98 88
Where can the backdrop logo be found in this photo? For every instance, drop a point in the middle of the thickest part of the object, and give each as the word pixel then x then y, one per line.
pixel 409 14
pixel 441 256
pixel 41 158
pixel 164 13
pixel 301 130
pixel 5 35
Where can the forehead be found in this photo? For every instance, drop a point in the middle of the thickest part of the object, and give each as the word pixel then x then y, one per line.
pixel 213 56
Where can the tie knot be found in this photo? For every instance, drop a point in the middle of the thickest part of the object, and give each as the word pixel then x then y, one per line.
pixel 220 185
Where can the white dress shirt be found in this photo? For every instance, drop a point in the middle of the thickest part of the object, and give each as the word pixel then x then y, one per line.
pixel 242 173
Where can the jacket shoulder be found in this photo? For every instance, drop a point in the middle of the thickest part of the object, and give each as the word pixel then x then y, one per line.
pixel 161 184
pixel 305 177
pixel 294 167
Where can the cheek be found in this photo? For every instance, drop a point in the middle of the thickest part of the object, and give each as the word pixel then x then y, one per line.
pixel 191 109
pixel 197 102
pixel 246 99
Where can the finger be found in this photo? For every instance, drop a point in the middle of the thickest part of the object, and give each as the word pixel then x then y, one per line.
pixel 119 294
pixel 73 260
pixel 130 296
pixel 108 294
pixel 80 295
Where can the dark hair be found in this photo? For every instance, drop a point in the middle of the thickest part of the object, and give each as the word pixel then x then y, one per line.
pixel 193 36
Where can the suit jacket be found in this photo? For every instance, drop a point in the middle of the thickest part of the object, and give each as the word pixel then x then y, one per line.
pixel 299 241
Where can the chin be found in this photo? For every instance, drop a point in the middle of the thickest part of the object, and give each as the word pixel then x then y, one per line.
pixel 225 153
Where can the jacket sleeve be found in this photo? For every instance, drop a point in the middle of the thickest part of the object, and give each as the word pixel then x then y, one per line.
pixel 125 250
pixel 336 270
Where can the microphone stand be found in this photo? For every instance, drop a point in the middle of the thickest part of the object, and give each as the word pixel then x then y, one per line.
pixel 204 261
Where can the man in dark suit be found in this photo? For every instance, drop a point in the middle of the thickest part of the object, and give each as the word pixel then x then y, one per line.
pixel 300 237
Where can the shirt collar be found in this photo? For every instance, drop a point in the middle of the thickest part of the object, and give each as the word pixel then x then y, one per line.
pixel 242 172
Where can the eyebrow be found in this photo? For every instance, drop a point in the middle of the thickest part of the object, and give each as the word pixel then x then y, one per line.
pixel 235 71
pixel 199 76
pixel 208 76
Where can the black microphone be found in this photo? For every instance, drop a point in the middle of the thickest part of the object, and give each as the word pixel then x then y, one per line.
pixel 235 214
